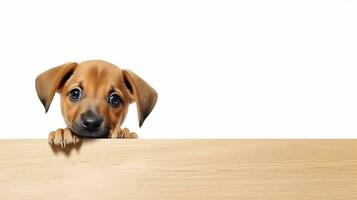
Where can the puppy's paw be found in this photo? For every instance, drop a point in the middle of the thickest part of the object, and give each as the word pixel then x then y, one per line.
pixel 62 137
pixel 122 133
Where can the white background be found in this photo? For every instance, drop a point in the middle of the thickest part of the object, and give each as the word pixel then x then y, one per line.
pixel 223 69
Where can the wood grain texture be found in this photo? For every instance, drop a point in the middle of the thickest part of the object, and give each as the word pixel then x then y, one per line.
pixel 180 169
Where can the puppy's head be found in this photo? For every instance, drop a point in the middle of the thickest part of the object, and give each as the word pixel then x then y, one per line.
pixel 95 95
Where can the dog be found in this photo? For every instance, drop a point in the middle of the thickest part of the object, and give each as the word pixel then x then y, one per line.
pixel 95 96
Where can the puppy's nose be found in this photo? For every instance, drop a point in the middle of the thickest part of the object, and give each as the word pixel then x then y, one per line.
pixel 90 120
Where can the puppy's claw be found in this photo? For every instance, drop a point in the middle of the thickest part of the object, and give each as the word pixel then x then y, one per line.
pixel 125 133
pixel 51 136
pixel 50 141
pixel 133 135
pixel 114 133
pixel 75 139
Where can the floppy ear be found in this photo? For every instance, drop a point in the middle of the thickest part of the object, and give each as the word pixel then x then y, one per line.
pixel 141 92
pixel 48 82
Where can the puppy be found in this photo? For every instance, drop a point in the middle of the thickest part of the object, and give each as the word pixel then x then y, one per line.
pixel 95 96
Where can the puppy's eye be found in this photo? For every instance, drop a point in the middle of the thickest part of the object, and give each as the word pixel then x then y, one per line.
pixel 114 99
pixel 75 94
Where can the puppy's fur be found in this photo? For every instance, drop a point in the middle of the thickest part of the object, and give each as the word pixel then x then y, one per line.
pixel 93 114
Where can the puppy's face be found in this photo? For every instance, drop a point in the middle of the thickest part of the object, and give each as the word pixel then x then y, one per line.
pixel 95 95
pixel 95 99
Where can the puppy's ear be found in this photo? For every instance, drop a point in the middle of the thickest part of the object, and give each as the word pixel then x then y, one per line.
pixel 141 92
pixel 48 82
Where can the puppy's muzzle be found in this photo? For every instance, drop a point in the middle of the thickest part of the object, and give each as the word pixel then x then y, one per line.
pixel 91 121
pixel 90 124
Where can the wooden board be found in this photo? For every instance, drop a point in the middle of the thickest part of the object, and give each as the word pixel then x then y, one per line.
pixel 180 169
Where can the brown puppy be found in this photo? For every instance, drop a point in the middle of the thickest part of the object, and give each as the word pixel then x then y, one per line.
pixel 95 96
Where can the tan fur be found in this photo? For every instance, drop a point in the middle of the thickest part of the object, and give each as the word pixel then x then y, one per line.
pixel 96 78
